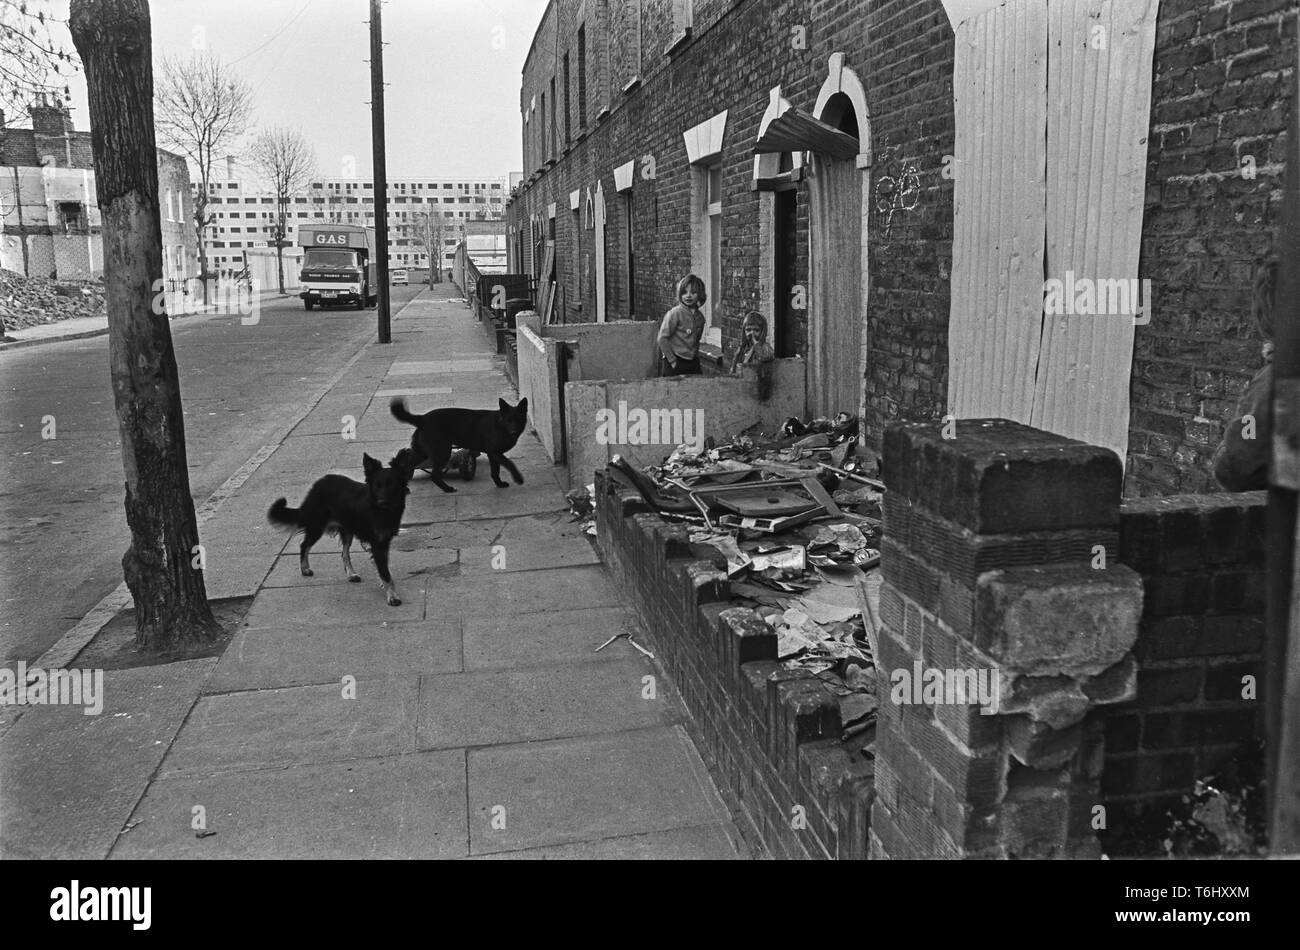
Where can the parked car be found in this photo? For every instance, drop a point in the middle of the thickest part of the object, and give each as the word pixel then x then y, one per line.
pixel 398 277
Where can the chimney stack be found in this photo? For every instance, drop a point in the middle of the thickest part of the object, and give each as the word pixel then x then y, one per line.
pixel 50 118
pixel 230 168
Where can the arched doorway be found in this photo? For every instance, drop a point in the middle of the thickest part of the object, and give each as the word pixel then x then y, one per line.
pixel 837 299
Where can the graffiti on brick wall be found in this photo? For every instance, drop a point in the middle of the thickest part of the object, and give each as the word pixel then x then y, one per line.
pixel 898 189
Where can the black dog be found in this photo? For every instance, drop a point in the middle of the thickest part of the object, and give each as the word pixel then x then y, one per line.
pixel 371 513
pixel 490 431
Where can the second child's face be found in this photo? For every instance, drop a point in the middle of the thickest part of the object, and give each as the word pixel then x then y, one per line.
pixel 690 297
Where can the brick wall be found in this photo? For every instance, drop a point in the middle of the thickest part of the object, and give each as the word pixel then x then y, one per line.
pixel 908 74
pixel 1201 558
pixel 770 734
pixel 988 565
pixel 1219 94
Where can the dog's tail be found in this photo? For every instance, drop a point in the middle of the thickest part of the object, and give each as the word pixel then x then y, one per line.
pixel 398 408
pixel 280 513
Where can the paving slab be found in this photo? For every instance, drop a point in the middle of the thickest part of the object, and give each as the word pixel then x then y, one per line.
pixel 239 575
pixel 406 806
pixel 523 592
pixel 327 565
pixel 306 452
pixel 564 636
pixel 275 728
pixel 70 780
pixel 573 790
pixel 344 603
pixel 508 555
pixel 299 656
pixel 452 534
pixel 527 499
pixel 456 364
pixel 489 707
pixel 711 842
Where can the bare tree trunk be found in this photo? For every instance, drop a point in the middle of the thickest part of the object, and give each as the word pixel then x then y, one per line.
pixel 161 566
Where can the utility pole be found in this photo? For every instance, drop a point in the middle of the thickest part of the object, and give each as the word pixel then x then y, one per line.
pixel 381 172
pixel 1282 613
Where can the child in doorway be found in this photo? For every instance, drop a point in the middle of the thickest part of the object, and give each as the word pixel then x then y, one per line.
pixel 755 349
pixel 679 335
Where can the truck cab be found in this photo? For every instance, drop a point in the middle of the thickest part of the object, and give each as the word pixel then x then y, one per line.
pixel 338 265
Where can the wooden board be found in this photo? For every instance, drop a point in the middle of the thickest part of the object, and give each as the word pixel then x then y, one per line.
pixel 546 303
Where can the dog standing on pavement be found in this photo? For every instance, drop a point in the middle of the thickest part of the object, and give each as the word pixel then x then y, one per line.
pixel 370 512
pixel 492 432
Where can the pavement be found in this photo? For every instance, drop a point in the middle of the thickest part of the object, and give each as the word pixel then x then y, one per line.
pixel 475 720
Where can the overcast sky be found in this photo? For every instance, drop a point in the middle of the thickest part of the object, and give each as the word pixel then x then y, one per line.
pixel 452 69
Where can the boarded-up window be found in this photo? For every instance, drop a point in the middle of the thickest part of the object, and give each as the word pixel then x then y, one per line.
pixel 1052 104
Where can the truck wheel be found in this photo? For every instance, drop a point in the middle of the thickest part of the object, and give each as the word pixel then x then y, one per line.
pixel 307 303
pixel 361 299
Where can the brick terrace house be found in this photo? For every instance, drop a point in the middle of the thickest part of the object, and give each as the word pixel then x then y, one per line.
pixel 49 215
pixel 896 185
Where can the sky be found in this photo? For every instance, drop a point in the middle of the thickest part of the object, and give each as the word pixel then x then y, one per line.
pixel 452 69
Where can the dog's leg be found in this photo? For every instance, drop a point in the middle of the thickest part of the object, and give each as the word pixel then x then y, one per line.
pixel 514 472
pixel 494 465
pixel 345 538
pixel 438 458
pixel 310 536
pixel 379 551
pixel 419 456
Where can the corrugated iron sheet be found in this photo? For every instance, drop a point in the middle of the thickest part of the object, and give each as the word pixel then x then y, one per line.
pixel 999 83
pixel 1098 116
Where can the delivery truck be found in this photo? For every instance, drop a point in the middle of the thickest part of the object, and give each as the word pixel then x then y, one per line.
pixel 339 265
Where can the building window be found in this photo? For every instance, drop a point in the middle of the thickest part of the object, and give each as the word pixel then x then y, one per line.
pixel 568 134
pixel 606 65
pixel 582 78
pixel 629 214
pixel 683 14
pixel 71 216
pixel 169 205
pixel 632 54
pixel 706 236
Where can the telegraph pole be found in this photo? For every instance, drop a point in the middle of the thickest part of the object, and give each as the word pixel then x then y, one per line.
pixel 1282 613
pixel 381 172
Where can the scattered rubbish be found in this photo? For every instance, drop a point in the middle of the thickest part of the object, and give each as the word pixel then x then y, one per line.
pixel 633 643
pixel 583 508
pixel 36 301
pixel 204 834
pixel 795 519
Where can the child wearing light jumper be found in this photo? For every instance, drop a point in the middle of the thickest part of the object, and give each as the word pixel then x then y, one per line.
pixel 679 335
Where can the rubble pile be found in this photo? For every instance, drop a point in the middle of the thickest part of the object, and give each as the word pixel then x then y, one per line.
pixel 795 517
pixel 34 301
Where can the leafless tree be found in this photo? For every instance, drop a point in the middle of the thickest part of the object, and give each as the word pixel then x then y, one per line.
pixel 202 111
pixel 163 565
pixel 427 230
pixel 284 158
pixel 33 61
